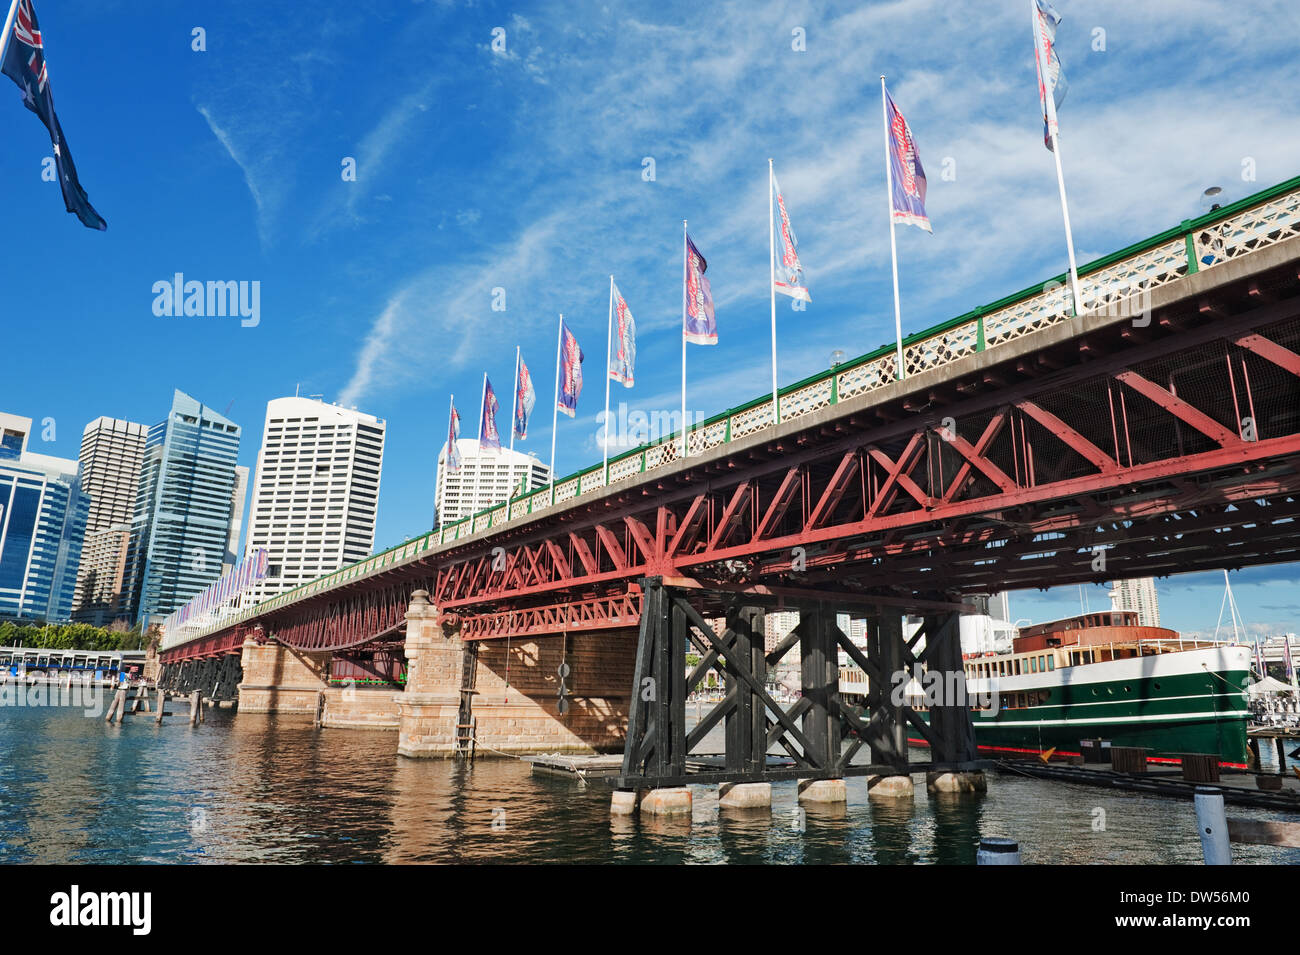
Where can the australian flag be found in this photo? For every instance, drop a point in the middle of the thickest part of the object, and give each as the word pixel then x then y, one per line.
pixel 571 359
pixel 24 63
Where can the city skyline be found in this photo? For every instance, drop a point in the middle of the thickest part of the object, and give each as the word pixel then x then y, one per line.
pixel 358 303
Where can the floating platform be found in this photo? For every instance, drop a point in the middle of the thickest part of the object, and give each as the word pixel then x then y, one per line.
pixel 1236 788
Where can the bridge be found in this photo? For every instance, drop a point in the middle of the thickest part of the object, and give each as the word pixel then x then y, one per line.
pixel 1026 446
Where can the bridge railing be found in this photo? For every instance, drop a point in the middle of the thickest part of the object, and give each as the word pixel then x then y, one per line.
pixel 1119 283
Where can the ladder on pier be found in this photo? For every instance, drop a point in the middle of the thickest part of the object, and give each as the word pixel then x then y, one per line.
pixel 466 743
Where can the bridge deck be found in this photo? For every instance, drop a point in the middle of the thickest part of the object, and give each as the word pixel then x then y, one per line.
pixel 996 348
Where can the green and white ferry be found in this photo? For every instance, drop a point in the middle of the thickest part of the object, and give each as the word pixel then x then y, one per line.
pixel 1102 676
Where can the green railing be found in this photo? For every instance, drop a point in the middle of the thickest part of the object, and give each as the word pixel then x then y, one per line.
pixel 1117 281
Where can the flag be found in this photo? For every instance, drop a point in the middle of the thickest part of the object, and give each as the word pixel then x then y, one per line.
pixel 622 362
pixel 1046 20
pixel 698 323
pixel 453 432
pixel 571 359
pixel 789 271
pixel 24 63
pixel 525 399
pixel 907 201
pixel 489 436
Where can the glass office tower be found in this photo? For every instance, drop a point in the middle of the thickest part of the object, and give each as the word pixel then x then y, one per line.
pixel 42 523
pixel 183 508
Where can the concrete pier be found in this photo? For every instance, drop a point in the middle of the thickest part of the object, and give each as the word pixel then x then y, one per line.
pixel 746 796
pixel 890 787
pixel 972 782
pixel 674 801
pixel 822 791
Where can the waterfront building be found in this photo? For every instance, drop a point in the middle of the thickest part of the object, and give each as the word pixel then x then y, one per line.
pixel 42 526
pixel 776 625
pixel 485 479
pixel 1139 596
pixel 180 527
pixel 315 491
pixel 111 453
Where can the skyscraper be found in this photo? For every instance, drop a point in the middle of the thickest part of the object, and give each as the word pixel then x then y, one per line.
pixel 111 452
pixel 180 526
pixel 1138 595
pixel 42 523
pixel 484 480
pixel 315 492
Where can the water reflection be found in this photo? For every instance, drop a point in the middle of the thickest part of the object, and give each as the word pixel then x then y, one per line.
pixel 268 789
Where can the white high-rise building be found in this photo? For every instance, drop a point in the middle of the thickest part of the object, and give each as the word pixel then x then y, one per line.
pixel 111 453
pixel 315 491
pixel 1139 595
pixel 485 480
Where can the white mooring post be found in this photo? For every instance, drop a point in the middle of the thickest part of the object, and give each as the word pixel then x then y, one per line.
pixel 1212 823
pixel 997 851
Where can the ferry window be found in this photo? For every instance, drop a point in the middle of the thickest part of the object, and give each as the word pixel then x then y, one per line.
pixel 1051 662
pixel 1042 663
pixel 1033 665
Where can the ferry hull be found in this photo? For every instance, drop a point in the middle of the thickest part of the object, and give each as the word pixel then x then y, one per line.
pixel 1187 702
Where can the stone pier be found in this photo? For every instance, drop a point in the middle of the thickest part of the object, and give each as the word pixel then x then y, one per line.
pixel 516 684
pixel 278 679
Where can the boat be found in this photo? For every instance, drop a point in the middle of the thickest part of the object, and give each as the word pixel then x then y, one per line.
pixel 1102 676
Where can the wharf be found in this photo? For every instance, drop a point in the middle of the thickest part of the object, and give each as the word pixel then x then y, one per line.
pixel 1237 788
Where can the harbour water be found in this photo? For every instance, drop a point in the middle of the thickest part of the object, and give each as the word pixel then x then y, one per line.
pixel 262 789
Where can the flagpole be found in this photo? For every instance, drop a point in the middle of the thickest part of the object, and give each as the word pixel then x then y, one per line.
pixel 478 457
pixel 514 414
pixel 555 405
pixel 609 342
pixel 9 26
pixel 1049 105
pixel 893 244
pixel 685 257
pixel 771 248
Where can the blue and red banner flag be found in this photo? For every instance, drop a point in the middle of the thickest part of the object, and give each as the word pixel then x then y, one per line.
pixel 623 360
pixel 24 63
pixel 488 435
pixel 907 201
pixel 789 270
pixel 571 359
pixel 525 400
pixel 1046 20
pixel 699 326
pixel 453 432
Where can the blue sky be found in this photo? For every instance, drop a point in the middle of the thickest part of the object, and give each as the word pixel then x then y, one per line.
pixel 522 170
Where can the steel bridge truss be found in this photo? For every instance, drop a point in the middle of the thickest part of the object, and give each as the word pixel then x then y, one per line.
pixel 1166 449
pixel 1152 445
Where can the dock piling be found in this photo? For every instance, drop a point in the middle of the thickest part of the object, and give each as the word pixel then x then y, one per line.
pixel 1212 823
pixel 994 850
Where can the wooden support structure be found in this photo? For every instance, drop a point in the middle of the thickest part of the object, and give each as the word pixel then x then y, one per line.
pixel 162 703
pixel 817 737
